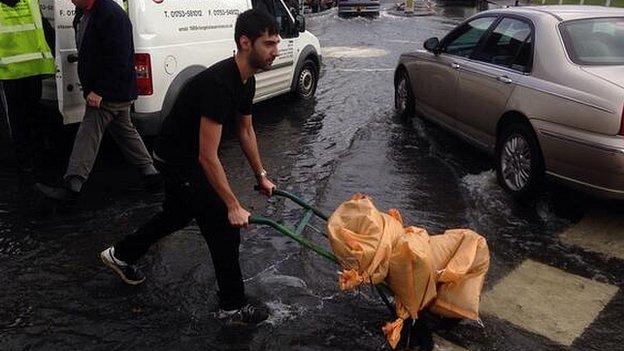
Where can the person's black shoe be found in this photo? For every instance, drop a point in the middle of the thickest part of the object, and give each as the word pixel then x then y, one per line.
pixel 246 315
pixel 130 274
pixel 60 192
pixel 152 182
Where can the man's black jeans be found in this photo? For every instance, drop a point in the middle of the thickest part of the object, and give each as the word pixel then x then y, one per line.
pixel 189 196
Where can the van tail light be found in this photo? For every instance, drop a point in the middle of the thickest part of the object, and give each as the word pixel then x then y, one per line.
pixel 143 68
pixel 622 123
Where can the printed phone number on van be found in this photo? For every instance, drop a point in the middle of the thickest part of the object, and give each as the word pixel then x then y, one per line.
pixel 200 13
pixel 68 13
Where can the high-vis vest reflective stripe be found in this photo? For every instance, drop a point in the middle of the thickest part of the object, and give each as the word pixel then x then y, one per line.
pixel 23 48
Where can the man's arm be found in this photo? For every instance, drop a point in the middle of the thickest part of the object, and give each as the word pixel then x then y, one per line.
pixel 209 138
pixel 249 144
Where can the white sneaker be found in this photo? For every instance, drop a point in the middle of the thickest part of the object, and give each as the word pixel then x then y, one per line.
pixel 130 274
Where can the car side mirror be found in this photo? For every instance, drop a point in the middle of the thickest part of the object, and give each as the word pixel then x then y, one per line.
pixel 433 45
pixel 300 22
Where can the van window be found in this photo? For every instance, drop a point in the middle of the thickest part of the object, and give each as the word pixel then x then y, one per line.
pixel 284 23
pixel 266 5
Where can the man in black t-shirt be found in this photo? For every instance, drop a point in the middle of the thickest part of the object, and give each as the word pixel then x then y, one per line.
pixel 196 186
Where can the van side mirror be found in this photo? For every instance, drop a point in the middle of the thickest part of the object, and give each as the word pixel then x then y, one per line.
pixel 300 22
pixel 433 45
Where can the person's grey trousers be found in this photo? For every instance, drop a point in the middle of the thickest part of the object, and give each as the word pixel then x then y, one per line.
pixel 116 118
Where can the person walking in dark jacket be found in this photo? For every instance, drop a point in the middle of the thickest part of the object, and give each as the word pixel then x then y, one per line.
pixel 196 185
pixel 106 72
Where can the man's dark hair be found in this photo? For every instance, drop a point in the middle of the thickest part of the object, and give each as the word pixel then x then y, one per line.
pixel 253 24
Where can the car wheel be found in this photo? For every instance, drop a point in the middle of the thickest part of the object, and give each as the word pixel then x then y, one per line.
pixel 307 80
pixel 519 162
pixel 403 97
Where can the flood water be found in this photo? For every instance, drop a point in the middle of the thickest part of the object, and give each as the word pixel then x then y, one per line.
pixel 56 294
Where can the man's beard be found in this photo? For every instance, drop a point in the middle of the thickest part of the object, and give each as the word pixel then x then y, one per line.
pixel 256 61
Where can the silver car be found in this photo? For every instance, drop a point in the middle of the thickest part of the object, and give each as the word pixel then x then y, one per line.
pixel 541 88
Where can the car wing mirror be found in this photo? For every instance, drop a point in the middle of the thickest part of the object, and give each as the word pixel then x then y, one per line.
pixel 300 22
pixel 433 45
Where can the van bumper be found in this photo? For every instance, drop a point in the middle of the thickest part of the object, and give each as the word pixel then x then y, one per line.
pixel 359 8
pixel 148 124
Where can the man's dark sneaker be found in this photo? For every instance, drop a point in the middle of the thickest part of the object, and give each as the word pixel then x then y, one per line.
pixel 152 181
pixel 60 192
pixel 131 274
pixel 246 315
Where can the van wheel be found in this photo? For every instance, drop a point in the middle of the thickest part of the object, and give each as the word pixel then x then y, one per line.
pixel 403 97
pixel 307 80
pixel 519 162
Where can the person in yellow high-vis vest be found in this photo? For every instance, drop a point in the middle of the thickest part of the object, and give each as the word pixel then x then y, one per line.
pixel 25 58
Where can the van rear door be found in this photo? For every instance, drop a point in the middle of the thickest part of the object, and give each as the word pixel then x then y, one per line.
pixel 49 84
pixel 68 89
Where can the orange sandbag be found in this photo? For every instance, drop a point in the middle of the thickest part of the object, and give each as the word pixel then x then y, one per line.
pixel 444 273
pixel 362 238
pixel 461 258
pixel 410 274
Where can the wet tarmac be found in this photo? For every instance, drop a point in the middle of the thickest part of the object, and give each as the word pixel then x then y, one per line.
pixel 56 295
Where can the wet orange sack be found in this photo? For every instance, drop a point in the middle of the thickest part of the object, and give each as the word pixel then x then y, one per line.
pixel 444 273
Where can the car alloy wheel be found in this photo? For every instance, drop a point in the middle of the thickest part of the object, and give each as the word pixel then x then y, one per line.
pixel 516 163
pixel 403 99
pixel 400 99
pixel 520 168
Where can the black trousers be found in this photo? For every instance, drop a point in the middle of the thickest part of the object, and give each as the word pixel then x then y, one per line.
pixel 189 196
pixel 25 114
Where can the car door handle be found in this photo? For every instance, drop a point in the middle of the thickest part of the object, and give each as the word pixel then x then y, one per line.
pixel 505 79
pixel 455 65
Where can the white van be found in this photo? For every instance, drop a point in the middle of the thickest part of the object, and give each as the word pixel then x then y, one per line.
pixel 174 40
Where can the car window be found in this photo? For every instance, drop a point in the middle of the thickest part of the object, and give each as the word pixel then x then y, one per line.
pixel 595 41
pixel 509 45
pixel 464 40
